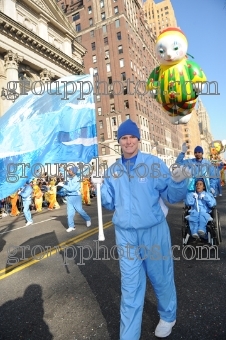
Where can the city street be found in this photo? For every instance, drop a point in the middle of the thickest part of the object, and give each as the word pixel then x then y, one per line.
pixel 67 285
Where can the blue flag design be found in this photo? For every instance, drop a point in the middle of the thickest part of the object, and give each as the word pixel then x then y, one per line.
pixel 48 128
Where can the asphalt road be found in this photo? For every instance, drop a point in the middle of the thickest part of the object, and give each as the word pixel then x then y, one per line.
pixel 67 285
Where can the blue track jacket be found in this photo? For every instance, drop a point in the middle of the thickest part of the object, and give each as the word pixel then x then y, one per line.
pixel 136 199
pixel 26 192
pixel 73 187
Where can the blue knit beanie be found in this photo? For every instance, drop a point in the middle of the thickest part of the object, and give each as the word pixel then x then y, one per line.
pixel 198 149
pixel 74 169
pixel 128 128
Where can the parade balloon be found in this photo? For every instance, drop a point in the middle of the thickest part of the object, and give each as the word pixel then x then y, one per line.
pixel 177 82
pixel 216 147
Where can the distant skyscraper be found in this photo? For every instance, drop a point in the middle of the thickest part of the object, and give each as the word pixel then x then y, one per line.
pixel 159 16
pixel 204 126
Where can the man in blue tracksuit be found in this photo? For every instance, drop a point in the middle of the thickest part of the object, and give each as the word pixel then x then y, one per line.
pixel 26 193
pixel 74 200
pixel 200 167
pixel 134 188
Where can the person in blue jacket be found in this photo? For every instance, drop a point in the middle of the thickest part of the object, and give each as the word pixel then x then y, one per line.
pixel 200 167
pixel 26 194
pixel 201 203
pixel 218 189
pixel 74 200
pixel 135 187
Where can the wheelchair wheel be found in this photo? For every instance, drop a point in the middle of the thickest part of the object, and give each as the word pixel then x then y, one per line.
pixel 217 229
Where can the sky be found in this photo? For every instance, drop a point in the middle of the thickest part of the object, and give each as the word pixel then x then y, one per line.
pixel 204 24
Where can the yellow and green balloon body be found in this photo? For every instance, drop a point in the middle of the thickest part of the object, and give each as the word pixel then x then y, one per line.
pixel 175 84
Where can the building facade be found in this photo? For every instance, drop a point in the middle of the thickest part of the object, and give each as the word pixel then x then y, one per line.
pixel 120 49
pixel 204 128
pixel 159 15
pixel 37 43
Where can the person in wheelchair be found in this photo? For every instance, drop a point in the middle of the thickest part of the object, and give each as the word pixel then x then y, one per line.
pixel 200 202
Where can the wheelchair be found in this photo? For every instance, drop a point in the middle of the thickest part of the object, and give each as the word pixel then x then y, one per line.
pixel 213 228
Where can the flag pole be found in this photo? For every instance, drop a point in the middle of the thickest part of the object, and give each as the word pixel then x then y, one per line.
pixel 101 236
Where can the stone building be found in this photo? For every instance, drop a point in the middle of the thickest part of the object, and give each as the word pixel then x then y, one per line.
pixel 37 43
pixel 120 49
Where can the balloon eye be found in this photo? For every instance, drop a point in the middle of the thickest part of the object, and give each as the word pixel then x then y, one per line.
pixel 161 50
pixel 175 48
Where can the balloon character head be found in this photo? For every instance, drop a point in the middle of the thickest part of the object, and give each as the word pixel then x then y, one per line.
pixel 171 46
pixel 176 83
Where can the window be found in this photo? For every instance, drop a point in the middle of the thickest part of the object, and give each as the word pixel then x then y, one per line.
pixel 107 56
pixel 103 17
pixel 101 124
pixel 112 106
pixel 108 66
pixel 119 36
pixel 103 150
pixel 115 137
pixel 109 80
pixel 126 104
pixel 98 97
pixel 120 49
pixel 104 27
pixel 125 90
pixel 99 111
pixel 102 137
pixel 111 95
pixel 95 71
pixel 117 23
pixel 101 3
pixel 121 62
pixel 89 9
pixel 92 34
pixel 105 40
pixel 94 58
pixel 113 121
pixel 93 46
pixel 127 116
pixel 123 75
pixel 76 16
pixel 90 21
pixel 116 9
pixel 78 28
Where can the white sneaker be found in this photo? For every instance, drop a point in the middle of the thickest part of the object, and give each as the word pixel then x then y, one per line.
pixel 220 194
pixel 68 230
pixel 88 224
pixel 195 235
pixel 164 328
pixel 28 223
pixel 201 232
